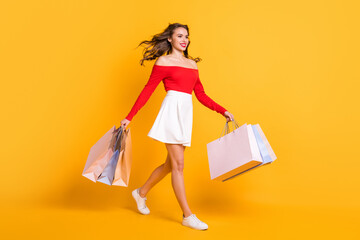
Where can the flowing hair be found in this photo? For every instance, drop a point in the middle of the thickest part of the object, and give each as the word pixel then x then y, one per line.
pixel 159 44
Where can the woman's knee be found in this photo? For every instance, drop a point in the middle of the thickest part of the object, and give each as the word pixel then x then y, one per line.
pixel 167 164
pixel 178 168
pixel 176 157
pixel 177 164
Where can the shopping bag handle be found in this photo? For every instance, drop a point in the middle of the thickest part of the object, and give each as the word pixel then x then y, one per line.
pixel 226 127
pixel 119 132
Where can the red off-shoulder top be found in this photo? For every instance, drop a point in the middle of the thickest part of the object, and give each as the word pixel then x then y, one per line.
pixel 176 78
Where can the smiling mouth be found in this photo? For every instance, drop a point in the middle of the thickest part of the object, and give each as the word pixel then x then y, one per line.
pixel 183 44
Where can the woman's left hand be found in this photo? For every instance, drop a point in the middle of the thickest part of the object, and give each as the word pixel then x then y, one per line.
pixel 229 117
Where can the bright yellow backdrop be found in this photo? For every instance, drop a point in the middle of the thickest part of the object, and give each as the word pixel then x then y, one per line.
pixel 70 71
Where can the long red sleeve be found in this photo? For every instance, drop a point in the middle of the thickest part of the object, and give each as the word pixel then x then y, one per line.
pixel 157 74
pixel 205 99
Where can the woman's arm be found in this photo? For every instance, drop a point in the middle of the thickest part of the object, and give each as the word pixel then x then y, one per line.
pixel 156 76
pixel 205 99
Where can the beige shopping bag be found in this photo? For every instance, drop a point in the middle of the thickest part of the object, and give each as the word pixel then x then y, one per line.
pixel 100 155
pixel 123 167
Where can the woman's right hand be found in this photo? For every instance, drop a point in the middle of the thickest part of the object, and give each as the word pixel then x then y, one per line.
pixel 229 117
pixel 124 123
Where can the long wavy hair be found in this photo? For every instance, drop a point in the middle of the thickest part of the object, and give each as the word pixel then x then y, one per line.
pixel 159 44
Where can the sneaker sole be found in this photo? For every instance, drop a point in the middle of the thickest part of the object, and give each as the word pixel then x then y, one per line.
pixel 201 229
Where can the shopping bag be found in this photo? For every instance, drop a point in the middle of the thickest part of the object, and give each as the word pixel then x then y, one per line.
pixel 123 167
pixel 239 151
pixel 266 142
pixel 107 175
pixel 233 153
pixel 99 155
pixel 267 154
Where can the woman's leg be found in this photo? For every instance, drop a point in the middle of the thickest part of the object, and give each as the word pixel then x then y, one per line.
pixel 176 153
pixel 155 177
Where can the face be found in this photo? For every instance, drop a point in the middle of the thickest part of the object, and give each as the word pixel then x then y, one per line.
pixel 179 39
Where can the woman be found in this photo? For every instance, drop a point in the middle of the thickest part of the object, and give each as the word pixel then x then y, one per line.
pixel 173 124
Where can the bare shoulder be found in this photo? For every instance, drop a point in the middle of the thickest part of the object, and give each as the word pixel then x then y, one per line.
pixel 193 63
pixel 162 60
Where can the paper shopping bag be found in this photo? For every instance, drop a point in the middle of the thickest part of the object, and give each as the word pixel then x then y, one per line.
pixel 266 142
pixel 233 153
pixel 107 175
pixel 99 155
pixel 266 152
pixel 123 168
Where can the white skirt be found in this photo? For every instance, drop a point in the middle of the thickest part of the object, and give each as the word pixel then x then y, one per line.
pixel 174 121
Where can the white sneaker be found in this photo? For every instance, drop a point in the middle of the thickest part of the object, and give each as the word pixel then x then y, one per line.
pixel 193 222
pixel 140 201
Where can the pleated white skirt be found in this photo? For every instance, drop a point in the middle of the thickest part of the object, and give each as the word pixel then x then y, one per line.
pixel 174 121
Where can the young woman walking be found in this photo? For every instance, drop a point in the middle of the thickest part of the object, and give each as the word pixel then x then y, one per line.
pixel 173 124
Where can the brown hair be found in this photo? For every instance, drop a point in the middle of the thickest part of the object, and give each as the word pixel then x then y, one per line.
pixel 161 45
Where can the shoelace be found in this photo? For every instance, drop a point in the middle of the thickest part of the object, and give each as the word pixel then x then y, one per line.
pixel 145 198
pixel 196 219
pixel 144 206
pixel 144 203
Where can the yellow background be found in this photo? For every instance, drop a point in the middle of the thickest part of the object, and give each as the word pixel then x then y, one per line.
pixel 70 71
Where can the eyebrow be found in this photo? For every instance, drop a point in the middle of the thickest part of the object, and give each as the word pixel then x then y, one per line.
pixel 181 34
